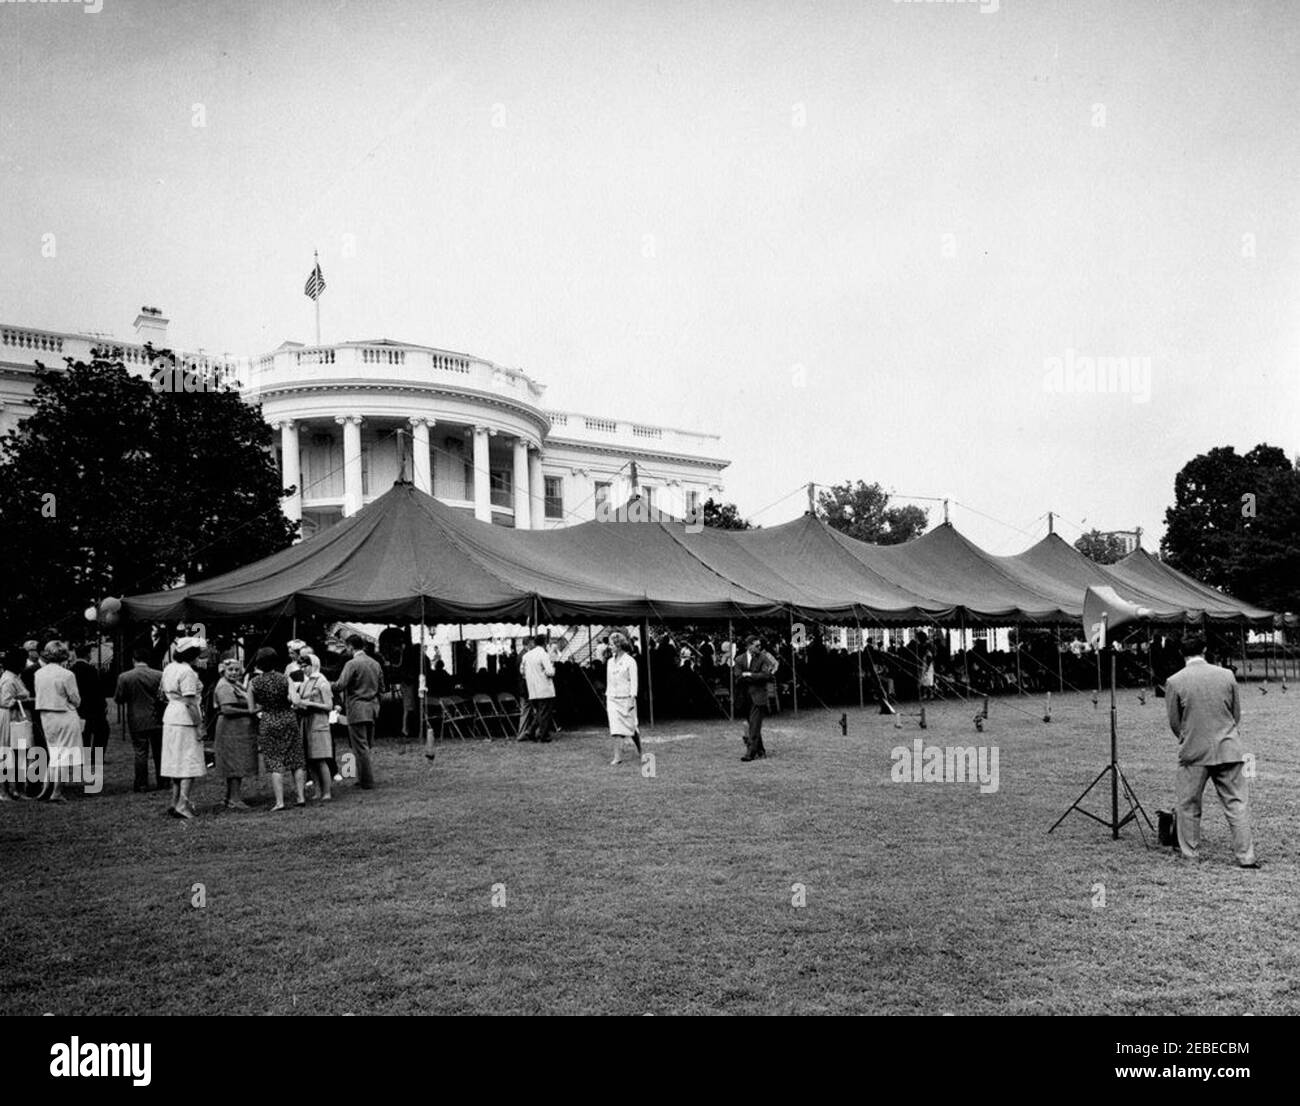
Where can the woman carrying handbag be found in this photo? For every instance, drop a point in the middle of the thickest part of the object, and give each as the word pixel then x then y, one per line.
pixel 15 724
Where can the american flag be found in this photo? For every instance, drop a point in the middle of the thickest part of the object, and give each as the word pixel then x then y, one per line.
pixel 315 284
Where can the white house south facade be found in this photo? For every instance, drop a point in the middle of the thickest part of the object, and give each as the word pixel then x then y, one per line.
pixel 477 434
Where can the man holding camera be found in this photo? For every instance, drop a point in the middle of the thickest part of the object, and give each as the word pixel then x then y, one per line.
pixel 1204 710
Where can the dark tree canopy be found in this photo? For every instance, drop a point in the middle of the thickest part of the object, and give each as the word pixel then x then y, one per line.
pixel 724 516
pixel 114 486
pixel 862 511
pixel 1105 549
pixel 1235 524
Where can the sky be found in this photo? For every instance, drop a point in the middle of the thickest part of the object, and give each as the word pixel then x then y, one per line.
pixel 872 240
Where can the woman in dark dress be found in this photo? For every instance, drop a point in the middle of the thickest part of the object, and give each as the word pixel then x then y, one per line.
pixel 279 735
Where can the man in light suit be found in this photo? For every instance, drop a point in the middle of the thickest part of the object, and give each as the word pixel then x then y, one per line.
pixel 1204 710
pixel 539 676
pixel 756 666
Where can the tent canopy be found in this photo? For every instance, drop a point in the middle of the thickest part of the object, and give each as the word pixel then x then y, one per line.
pixel 407 557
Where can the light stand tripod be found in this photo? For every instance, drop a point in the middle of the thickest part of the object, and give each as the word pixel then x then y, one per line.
pixel 1117 779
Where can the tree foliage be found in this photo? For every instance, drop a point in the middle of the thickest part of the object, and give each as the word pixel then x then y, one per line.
pixel 862 511
pixel 1105 549
pixel 1235 524
pixel 724 516
pixel 115 486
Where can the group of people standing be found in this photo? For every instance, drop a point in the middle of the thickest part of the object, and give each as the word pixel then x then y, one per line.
pixel 281 715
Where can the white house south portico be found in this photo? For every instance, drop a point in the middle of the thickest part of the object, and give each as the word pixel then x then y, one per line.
pixel 475 434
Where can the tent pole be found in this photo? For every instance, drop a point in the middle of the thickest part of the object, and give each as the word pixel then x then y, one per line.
pixel 1151 668
pixel 794 668
pixel 294 635
pixel 649 667
pixel 591 649
pixel 1245 661
pixel 965 654
pixel 1020 683
pixel 861 700
pixel 1060 670
pixel 421 686
pixel 731 675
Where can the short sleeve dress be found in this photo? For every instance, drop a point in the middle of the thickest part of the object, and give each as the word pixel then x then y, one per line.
pixel 279 735
pixel 11 692
pixel 235 747
pixel 182 741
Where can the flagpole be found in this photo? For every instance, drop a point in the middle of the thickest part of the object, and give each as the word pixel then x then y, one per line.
pixel 316 255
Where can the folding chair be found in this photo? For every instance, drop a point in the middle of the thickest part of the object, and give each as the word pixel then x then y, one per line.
pixel 511 713
pixel 455 716
pixel 486 713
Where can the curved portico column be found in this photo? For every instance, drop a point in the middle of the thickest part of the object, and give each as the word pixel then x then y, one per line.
pixel 291 468
pixel 421 472
pixel 482 476
pixel 351 463
pixel 536 489
pixel 523 504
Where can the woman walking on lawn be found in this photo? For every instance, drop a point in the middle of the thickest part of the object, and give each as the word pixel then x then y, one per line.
pixel 57 701
pixel 235 747
pixel 314 700
pixel 183 761
pixel 620 696
pixel 278 731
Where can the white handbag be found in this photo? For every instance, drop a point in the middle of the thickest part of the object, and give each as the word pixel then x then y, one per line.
pixel 20 731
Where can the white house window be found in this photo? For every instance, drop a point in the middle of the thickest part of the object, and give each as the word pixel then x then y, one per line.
pixel 554 497
pixel 602 496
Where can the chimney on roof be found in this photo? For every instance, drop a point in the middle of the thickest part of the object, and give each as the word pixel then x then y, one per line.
pixel 151 326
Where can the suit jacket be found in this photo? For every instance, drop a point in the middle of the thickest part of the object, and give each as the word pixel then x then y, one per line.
pixel 762 666
pixel 137 688
pixel 1204 710
pixel 359 684
pixel 539 673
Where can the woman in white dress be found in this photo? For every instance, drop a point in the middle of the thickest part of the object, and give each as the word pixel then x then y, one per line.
pixel 57 699
pixel 620 696
pixel 182 740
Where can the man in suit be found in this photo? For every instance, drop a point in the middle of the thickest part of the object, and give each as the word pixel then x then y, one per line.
pixel 359 685
pixel 539 676
pixel 137 690
pixel 1204 710
pixel 756 666
pixel 94 704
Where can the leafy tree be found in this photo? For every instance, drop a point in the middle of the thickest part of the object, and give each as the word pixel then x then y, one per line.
pixel 119 484
pixel 724 516
pixel 1105 549
pixel 862 511
pixel 1235 524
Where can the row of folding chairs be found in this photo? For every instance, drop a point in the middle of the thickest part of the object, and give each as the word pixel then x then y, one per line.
pixel 478 716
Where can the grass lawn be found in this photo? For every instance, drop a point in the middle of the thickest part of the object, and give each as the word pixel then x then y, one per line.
pixel 673 894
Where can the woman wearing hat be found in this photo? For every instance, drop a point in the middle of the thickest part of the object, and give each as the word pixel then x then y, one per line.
pixel 182 740
pixel 314 701
pixel 57 701
pixel 278 733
